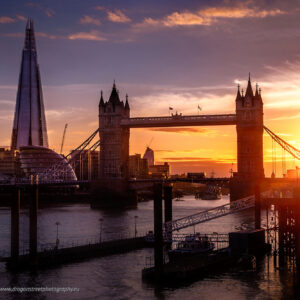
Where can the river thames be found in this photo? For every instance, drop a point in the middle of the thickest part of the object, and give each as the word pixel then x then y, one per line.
pixel 119 276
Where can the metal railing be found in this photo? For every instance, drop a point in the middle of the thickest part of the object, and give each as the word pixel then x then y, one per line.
pixel 210 214
pixel 231 118
pixel 69 243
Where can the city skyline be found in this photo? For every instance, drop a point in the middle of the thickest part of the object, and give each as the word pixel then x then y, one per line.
pixel 145 49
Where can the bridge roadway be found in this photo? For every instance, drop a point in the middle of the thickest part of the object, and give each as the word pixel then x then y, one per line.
pixel 179 120
pixel 218 180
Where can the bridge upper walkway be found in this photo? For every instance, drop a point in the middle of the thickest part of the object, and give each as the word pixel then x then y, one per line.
pixel 180 120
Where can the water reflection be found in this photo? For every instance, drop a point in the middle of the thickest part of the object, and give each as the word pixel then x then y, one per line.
pixel 119 276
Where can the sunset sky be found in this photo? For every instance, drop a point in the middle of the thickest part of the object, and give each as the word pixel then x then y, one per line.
pixel 169 53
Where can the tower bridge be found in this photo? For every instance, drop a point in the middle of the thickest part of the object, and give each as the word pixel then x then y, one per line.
pixel 114 132
pixel 29 132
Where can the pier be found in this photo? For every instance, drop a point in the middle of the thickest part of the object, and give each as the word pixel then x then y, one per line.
pixel 54 257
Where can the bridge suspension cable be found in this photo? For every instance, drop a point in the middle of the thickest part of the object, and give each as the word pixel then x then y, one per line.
pixel 285 145
pixel 82 146
pixel 59 169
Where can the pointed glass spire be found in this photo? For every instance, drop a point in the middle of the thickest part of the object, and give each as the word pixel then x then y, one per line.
pixel 29 37
pixel 29 127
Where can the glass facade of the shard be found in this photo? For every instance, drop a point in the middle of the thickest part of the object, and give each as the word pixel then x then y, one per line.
pixel 29 127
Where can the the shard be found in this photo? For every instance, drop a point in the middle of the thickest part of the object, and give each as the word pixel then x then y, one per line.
pixel 29 127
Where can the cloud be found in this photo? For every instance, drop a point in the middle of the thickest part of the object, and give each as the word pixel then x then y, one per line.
pixel 93 35
pixel 48 11
pixel 184 101
pixel 286 117
pixel 14 34
pixel 21 18
pixel 6 20
pixel 208 16
pixel 187 158
pixel 281 91
pixel 117 16
pixel 180 130
pixel 7 102
pixel 47 35
pixel 37 34
pixel 99 7
pixel 89 20
pixel 163 150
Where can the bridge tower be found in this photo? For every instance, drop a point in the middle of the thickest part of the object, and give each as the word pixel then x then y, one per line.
pixel 114 146
pixel 249 127
pixel 114 140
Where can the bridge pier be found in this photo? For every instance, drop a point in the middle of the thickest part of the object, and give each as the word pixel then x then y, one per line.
pixel 158 231
pixel 34 199
pixel 241 187
pixel 15 223
pixel 112 192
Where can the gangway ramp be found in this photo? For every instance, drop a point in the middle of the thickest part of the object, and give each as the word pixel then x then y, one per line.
pixel 210 214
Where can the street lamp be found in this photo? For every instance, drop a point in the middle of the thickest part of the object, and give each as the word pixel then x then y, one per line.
pixel 135 229
pixel 57 239
pixel 101 221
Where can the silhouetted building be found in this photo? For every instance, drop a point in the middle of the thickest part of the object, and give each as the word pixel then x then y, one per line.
pixel 114 139
pixel 29 134
pixel 292 173
pixel 8 163
pixel 249 127
pixel 149 155
pixel 45 163
pixel 86 164
pixel 159 171
pixel 196 175
pixel 138 167
pixel 29 127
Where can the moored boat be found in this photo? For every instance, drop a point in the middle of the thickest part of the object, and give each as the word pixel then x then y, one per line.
pixel 191 245
pixel 211 193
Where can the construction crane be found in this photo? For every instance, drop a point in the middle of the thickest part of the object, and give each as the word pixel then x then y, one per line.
pixel 149 144
pixel 63 139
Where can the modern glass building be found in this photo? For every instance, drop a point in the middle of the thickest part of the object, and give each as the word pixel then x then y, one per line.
pixel 29 127
pixel 46 163
pixel 29 134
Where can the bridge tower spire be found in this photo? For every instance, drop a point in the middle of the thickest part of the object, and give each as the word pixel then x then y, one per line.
pixel 249 127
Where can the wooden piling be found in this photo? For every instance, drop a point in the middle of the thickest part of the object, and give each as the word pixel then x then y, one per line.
pixel 15 223
pixel 34 200
pixel 168 210
pixel 158 233
pixel 168 202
